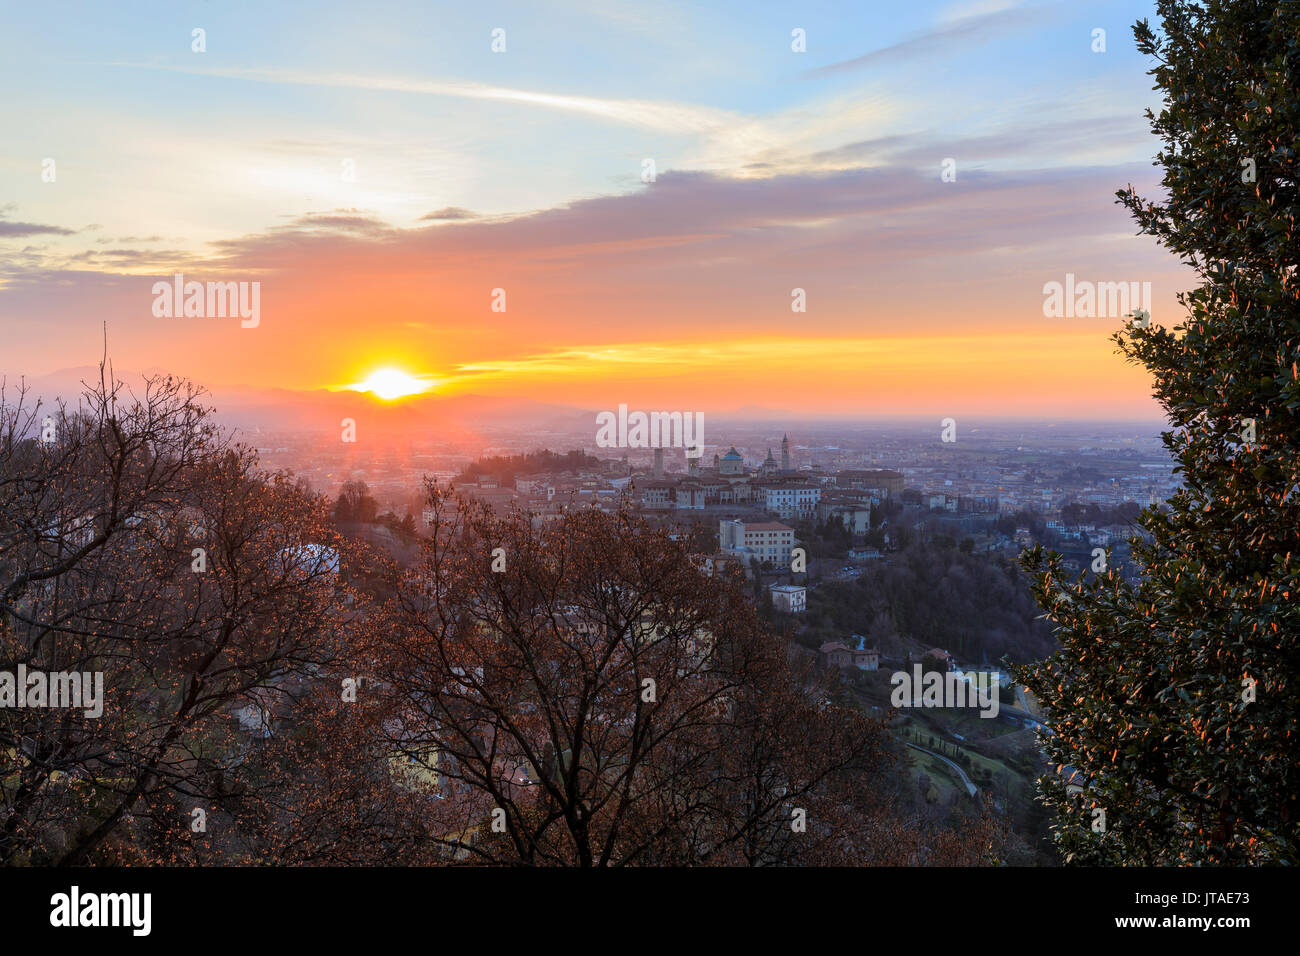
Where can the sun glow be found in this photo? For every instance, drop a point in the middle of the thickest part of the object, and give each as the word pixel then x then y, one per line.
pixel 391 383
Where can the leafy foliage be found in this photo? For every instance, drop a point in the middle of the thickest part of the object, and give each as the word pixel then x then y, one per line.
pixel 1151 696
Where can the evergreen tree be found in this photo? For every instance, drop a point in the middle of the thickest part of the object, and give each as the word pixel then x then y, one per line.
pixel 1174 700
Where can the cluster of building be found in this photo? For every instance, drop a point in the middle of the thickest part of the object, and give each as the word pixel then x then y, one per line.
pixel 730 488
pixel 756 503
pixel 972 487
pixel 853 653
pixel 773 487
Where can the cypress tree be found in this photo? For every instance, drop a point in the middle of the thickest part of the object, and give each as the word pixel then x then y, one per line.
pixel 1174 701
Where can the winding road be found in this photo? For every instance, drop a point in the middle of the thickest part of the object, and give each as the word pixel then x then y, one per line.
pixel 971 789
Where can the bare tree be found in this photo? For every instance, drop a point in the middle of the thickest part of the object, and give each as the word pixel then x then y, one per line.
pixel 137 543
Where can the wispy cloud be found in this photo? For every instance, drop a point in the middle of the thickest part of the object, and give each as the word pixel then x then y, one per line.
pixel 988 19
pixel 448 214
pixel 339 220
pixel 727 140
pixel 9 230
pixel 650 114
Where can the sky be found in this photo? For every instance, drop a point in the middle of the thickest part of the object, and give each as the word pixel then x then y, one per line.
pixel 381 171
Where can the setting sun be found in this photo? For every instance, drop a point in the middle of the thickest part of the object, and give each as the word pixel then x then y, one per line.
pixel 391 383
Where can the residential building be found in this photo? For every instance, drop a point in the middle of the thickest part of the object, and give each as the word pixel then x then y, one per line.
pixel 791 598
pixel 888 483
pixel 840 654
pixel 791 500
pixel 657 494
pixel 765 540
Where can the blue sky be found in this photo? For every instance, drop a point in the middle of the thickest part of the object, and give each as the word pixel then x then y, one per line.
pixel 412 93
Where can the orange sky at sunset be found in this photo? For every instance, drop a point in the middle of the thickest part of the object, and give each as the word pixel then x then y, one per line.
pixel 906 375
pixel 378 249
